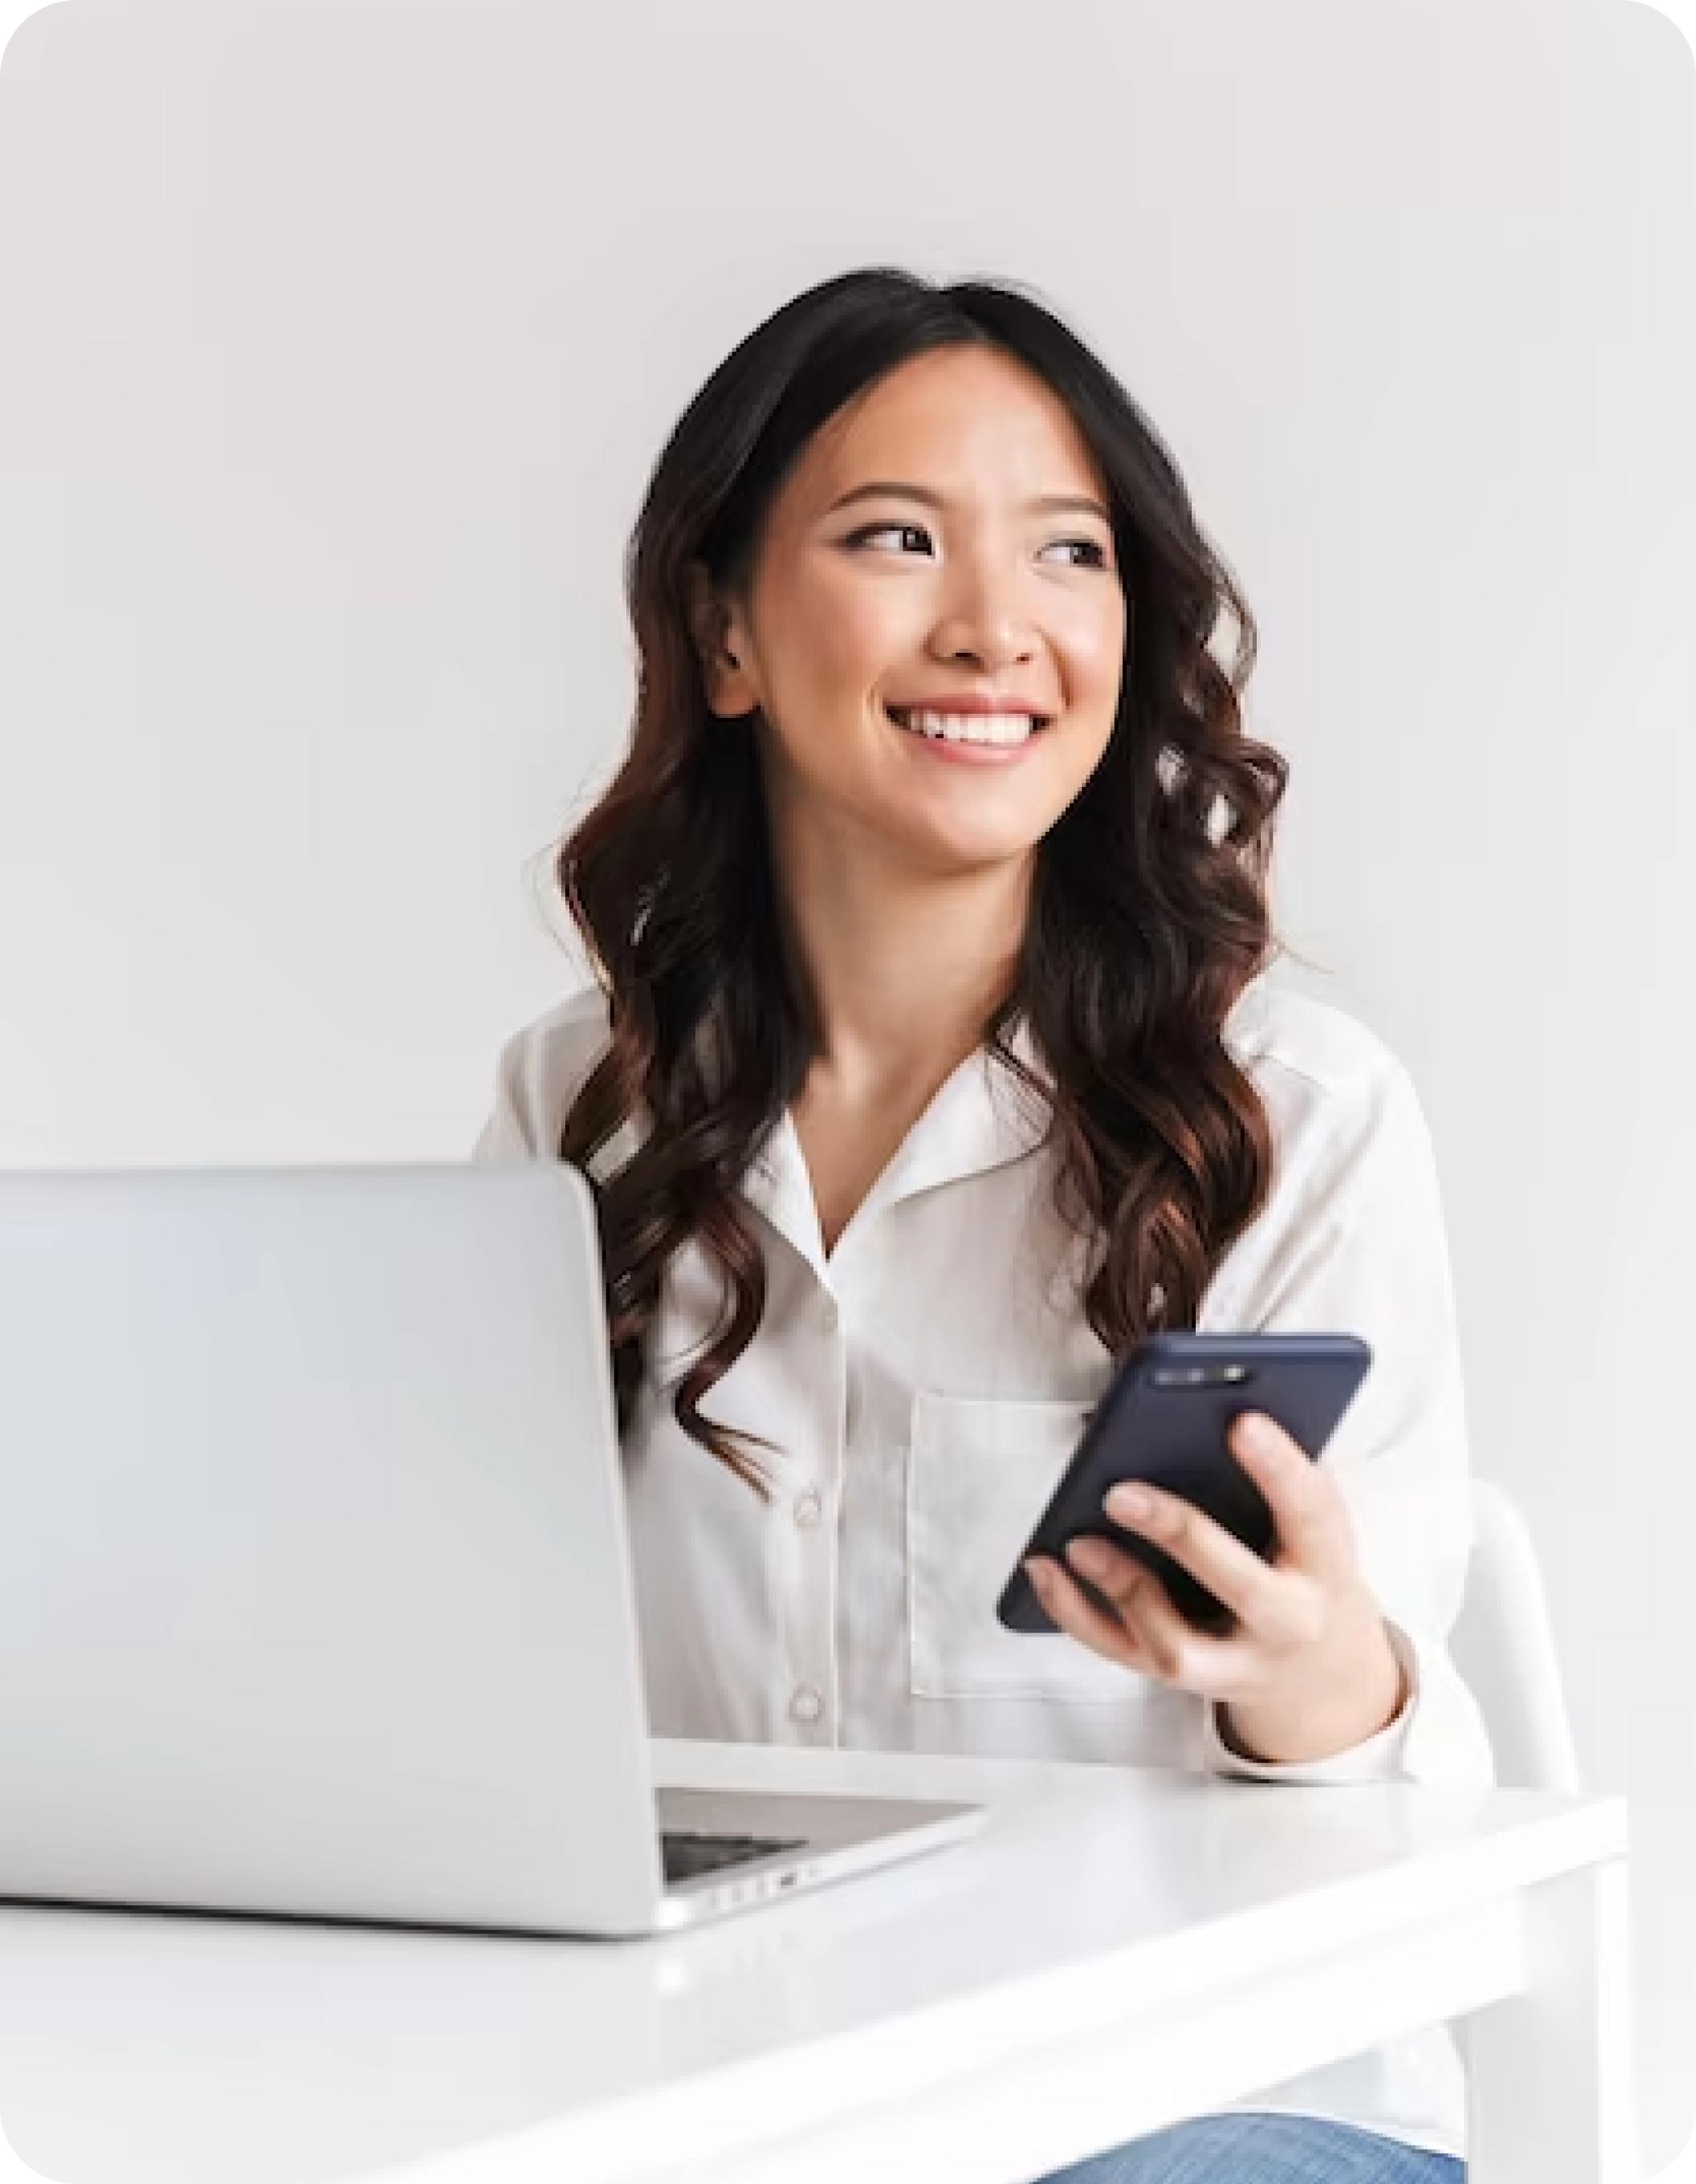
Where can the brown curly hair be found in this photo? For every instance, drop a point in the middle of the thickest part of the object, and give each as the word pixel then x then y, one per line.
pixel 1147 918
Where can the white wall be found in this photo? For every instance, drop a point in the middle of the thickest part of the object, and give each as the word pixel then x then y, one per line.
pixel 338 343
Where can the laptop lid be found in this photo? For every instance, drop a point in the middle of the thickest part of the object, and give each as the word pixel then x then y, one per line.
pixel 314 1587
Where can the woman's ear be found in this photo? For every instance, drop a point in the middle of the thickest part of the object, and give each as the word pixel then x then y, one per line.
pixel 710 630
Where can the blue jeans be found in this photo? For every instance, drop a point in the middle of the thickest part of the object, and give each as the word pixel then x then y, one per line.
pixel 1241 2148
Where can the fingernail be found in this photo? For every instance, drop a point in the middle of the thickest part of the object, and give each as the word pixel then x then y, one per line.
pixel 1130 1501
pixel 1259 1435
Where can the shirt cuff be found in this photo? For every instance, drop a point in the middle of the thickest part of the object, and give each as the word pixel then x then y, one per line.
pixel 1376 1759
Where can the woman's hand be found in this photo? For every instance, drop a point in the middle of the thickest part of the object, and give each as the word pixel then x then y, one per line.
pixel 1309 1671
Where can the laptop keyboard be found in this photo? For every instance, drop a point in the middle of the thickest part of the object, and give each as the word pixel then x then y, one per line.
pixel 685 1855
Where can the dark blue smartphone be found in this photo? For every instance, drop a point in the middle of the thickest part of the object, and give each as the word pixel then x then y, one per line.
pixel 1164 1419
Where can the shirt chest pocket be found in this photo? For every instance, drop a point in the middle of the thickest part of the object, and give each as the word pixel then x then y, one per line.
pixel 980 1472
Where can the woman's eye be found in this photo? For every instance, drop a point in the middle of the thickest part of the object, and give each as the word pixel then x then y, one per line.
pixel 917 530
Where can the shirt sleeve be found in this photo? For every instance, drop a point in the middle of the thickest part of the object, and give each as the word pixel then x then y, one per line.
pixel 1374 1261
pixel 1377 1759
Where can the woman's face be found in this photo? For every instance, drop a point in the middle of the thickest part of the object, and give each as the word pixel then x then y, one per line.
pixel 949 577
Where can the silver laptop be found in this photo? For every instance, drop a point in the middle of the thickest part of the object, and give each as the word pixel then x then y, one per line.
pixel 316 1595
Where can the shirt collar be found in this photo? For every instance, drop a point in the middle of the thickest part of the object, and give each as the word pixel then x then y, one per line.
pixel 980 1118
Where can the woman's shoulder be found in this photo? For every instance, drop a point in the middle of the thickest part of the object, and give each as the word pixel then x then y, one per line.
pixel 570 1027
pixel 1282 1030
pixel 542 1065
pixel 1340 1100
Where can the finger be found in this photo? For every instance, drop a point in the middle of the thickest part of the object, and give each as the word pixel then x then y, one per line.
pixel 1078 1616
pixel 1274 1606
pixel 1115 1575
pixel 1180 1654
pixel 1308 1512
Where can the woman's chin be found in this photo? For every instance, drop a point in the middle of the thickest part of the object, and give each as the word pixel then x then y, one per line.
pixel 951 851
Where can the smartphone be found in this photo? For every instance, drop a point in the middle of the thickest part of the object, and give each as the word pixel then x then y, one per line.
pixel 1164 1419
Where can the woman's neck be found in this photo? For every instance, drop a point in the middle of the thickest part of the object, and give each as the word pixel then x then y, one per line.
pixel 903 968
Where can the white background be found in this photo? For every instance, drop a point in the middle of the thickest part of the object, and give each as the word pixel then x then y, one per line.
pixel 339 338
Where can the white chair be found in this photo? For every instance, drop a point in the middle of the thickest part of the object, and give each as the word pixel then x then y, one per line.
pixel 1504 1645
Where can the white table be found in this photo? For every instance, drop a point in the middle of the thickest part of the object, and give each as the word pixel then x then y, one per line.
pixel 963 2018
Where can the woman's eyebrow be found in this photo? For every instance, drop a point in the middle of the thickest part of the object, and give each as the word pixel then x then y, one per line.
pixel 887 488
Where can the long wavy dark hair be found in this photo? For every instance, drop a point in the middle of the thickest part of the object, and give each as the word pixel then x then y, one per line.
pixel 1147 916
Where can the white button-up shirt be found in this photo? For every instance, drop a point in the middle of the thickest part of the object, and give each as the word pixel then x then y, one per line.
pixel 927 1381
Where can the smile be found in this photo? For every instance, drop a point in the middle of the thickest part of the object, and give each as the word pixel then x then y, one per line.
pixel 987 739
pixel 1000 730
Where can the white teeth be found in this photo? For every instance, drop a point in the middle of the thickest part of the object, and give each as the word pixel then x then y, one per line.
pixel 968 727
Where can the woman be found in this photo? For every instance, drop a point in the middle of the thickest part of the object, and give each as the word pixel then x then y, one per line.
pixel 931 1063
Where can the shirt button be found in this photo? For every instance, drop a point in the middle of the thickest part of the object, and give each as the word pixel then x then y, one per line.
pixel 833 1318
pixel 807 1705
pixel 806 1510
